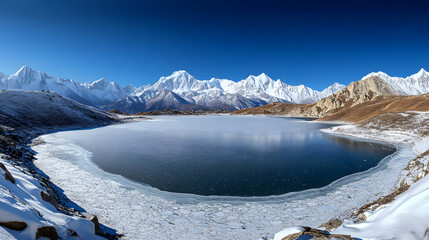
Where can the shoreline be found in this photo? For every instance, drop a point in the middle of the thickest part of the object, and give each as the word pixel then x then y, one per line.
pixel 282 201
pixel 368 222
pixel 189 198
pixel 20 156
pixel 32 205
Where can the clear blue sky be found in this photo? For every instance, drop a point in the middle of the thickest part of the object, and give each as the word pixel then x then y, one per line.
pixel 314 43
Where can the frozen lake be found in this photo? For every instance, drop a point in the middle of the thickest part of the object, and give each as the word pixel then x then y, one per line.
pixel 226 155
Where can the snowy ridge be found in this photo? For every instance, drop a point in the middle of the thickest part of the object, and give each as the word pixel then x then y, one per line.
pixel 415 84
pixel 96 93
pixel 28 199
pixel 202 94
pixel 212 94
pixel 217 93
pixel 260 87
pixel 43 110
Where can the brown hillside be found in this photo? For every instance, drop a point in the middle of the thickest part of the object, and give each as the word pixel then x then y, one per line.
pixel 381 105
pixel 356 93
pixel 357 113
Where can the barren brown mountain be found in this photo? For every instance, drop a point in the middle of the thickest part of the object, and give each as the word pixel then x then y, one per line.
pixel 359 101
pixel 381 105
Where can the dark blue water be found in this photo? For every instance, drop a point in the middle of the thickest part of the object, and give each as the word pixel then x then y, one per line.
pixel 228 155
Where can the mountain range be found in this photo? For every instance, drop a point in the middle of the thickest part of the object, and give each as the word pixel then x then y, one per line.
pixel 376 93
pixel 182 91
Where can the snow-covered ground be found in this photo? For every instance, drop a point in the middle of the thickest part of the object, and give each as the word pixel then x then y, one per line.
pixel 22 202
pixel 407 217
pixel 23 115
pixel 141 212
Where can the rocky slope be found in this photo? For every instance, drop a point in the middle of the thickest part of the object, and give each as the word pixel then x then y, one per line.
pixel 337 105
pixel 380 105
pixel 30 205
pixel 47 110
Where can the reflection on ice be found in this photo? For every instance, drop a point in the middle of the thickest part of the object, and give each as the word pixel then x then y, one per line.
pixel 226 155
pixel 142 212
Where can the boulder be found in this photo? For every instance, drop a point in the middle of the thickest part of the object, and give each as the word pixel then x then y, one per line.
pixel 17 226
pixel 50 199
pixel 332 224
pixel 313 233
pixel 94 219
pixel 7 174
pixel 47 232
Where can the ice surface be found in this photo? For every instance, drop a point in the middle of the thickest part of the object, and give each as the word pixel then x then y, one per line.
pixel 141 212
pixel 407 216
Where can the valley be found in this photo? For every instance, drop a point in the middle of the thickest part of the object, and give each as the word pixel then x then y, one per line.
pixel 378 110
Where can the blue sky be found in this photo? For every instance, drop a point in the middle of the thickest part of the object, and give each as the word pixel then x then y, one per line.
pixel 306 42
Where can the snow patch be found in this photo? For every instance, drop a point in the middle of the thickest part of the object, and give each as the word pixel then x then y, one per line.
pixel 22 202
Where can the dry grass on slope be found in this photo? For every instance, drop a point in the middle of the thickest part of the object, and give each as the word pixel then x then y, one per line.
pixel 358 113
pixel 275 108
pixel 379 106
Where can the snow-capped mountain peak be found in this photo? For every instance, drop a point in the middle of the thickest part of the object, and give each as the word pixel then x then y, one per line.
pixel 379 74
pixel 333 89
pixel 96 93
pixel 415 84
pixel 178 81
pixel 261 79
pixel 420 74
pixel 102 82
pixel 183 89
pixel 23 69
pixel 180 73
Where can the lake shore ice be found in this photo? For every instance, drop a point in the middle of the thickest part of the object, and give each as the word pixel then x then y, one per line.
pixel 22 202
pixel 138 213
pixel 406 217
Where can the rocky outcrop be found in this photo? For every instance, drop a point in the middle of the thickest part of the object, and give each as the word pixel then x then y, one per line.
pixel 312 233
pixel 17 226
pixel 331 224
pixel 357 92
pixel 50 199
pixel 7 174
pixel 47 232
pixel 94 219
